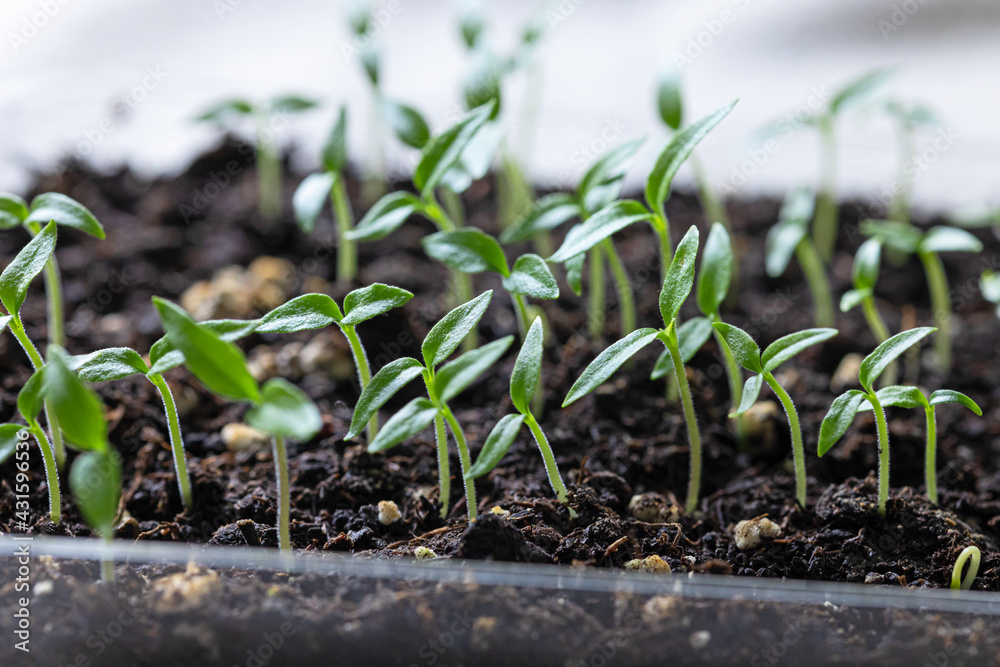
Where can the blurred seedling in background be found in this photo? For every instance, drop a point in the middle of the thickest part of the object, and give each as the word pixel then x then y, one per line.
pixel 864 276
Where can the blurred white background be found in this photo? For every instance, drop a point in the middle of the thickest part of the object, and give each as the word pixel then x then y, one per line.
pixel 118 81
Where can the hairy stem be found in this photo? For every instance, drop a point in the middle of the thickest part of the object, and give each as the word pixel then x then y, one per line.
pixel 798 450
pixel 53 295
pixel 463 457
pixel 883 451
pixel 930 456
pixel 937 282
pixel 58 449
pixel 176 441
pixel 347 253
pixel 826 221
pixel 595 317
pixel 735 378
pixel 284 497
pixel 626 297
pixel 662 229
pixel 444 466
pixel 551 469
pixel 694 437
pixel 51 472
pixel 364 371
pixel 815 273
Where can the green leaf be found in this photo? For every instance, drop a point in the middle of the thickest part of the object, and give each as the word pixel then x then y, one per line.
pixel 468 250
pixel 476 158
pixel 676 153
pixel 989 285
pixel 365 303
pixel 411 420
pixel 532 277
pixel 369 62
pixel 745 350
pixel 310 197
pixel 390 379
pixel 77 409
pixel 96 482
pixel 883 355
pixel 457 375
pixel 608 361
pixel 54 207
pixel 113 363
pixel 716 270
pixel 407 123
pixel 527 368
pixel 547 213
pixel 864 272
pixel 9 439
pixel 218 364
pixel 602 183
pixel 949 239
pixel 691 335
pixel 385 216
pixel 29 399
pixel 219 112
pixel 838 419
pixel 574 273
pixel 858 90
pixel 452 329
pixel 679 280
pixel 303 313
pixel 481 85
pixel 668 98
pixel 28 263
pixel 792 227
pixel 471 23
pixel 798 206
pixel 942 396
pixel 751 391
pixel 13 211
pixel 853 298
pixel 497 443
pixel 335 149
pixel 610 219
pixel 898 396
pixel 788 346
pixel 899 236
pixel 292 103
pixel 285 410
pixel 445 150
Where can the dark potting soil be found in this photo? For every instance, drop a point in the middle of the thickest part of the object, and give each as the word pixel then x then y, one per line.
pixel 624 439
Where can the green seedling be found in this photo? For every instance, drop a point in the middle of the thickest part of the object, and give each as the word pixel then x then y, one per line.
pixel 29 405
pixel 442 385
pixel 670 105
pixel 908 118
pixel 452 157
pixel 306 312
pixel 14 283
pixel 525 380
pixel 848 97
pixel 928 247
pixel 277 408
pixel 957 582
pixel 763 364
pixel 864 275
pixel 841 413
pixel 677 286
pixel 790 236
pixel 314 190
pixel 96 476
pixel 913 397
pixel 45 208
pixel 267 118
pixel 989 286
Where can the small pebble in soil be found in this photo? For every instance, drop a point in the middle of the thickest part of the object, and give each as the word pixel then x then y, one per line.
pixel 750 533
pixel 424 553
pixel 847 371
pixel 186 591
pixel 388 512
pixel 653 508
pixel 499 511
pixel 760 419
pixel 648 564
pixel 240 437
pixel 700 639
pixel 659 608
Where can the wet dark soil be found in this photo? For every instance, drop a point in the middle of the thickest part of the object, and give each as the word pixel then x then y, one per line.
pixel 623 440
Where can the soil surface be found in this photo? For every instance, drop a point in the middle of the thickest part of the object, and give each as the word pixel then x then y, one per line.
pixel 625 439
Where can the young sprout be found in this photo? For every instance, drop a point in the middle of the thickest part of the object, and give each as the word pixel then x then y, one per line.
pixel 442 385
pixel 278 408
pixel 14 283
pixel 908 117
pixel 267 117
pixel 764 364
pixel 524 383
pixel 849 96
pixel 845 406
pixel 864 275
pixel 670 104
pixel 470 250
pixel 957 582
pixel 989 286
pixel 447 157
pixel 928 245
pixel 45 208
pixel 912 397
pixel 96 476
pixel 314 190
pixel 790 236
pixel 29 404
pixel 677 286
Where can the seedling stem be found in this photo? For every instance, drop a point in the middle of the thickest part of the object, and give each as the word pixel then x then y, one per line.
pixel 798 450
pixel 176 440
pixel 347 257
pixel 281 474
